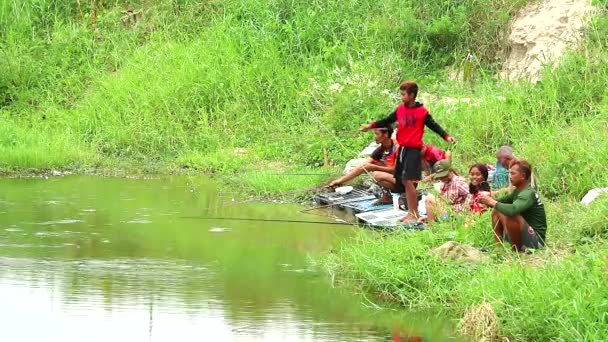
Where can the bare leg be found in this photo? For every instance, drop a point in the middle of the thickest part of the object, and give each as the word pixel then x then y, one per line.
pixel 434 208
pixel 412 202
pixel 498 227
pixel 431 207
pixel 384 179
pixel 513 226
pixel 387 182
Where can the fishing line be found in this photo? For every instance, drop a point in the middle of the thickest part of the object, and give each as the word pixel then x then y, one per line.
pixel 344 147
pixel 267 197
pixel 265 220
pixel 300 174
pixel 336 203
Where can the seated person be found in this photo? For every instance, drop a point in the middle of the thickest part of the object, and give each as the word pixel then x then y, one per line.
pixel 454 192
pixel 521 213
pixel 478 175
pixel 504 156
pixel 500 178
pixel 430 155
pixel 381 165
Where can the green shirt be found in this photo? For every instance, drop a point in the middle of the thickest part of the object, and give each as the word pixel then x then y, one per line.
pixel 526 203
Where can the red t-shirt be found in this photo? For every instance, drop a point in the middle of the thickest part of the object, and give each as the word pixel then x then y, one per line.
pixel 410 125
pixel 433 154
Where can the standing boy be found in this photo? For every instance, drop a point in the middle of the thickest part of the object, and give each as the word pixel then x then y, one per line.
pixel 411 117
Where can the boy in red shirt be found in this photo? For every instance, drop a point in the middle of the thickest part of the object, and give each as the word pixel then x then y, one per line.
pixel 411 117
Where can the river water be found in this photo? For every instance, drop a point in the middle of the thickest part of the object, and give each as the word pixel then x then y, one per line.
pixel 114 259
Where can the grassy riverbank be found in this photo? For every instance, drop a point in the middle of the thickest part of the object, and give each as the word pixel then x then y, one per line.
pixel 554 294
pixel 251 89
pixel 560 125
pixel 188 82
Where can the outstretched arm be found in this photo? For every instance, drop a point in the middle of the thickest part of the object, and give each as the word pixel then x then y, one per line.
pixel 359 171
pixel 391 118
pixel 434 126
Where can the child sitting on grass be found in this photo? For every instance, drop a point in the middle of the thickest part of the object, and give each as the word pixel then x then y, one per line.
pixel 411 117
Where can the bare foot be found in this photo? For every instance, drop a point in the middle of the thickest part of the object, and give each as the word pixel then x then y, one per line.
pixel 409 219
pixel 385 199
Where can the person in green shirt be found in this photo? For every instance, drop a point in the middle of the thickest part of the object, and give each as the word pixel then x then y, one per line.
pixel 520 214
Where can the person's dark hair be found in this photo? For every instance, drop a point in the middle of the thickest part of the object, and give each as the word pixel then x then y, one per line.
pixel 388 129
pixel 410 87
pixel 523 166
pixel 484 186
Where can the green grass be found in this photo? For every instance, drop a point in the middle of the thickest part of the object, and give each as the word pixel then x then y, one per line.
pixel 26 148
pixel 247 89
pixel 180 83
pixel 197 76
pixel 552 295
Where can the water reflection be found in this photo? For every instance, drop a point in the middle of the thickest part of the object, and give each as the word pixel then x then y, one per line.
pixel 99 259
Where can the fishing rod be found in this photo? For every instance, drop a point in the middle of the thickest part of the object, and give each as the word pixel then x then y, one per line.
pixel 265 220
pixel 300 174
pixel 337 203
pixel 344 147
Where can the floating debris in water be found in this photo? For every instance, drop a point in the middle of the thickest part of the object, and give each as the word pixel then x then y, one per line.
pixel 64 221
pixel 29 245
pixel 105 241
pixel 140 221
pixel 300 270
pixel 13 229
pixel 220 230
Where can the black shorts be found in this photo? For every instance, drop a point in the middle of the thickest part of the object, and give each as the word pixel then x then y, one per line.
pixel 408 165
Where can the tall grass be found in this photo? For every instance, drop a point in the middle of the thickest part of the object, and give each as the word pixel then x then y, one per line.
pixel 179 81
pixel 154 79
pixel 555 294
pixel 227 86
